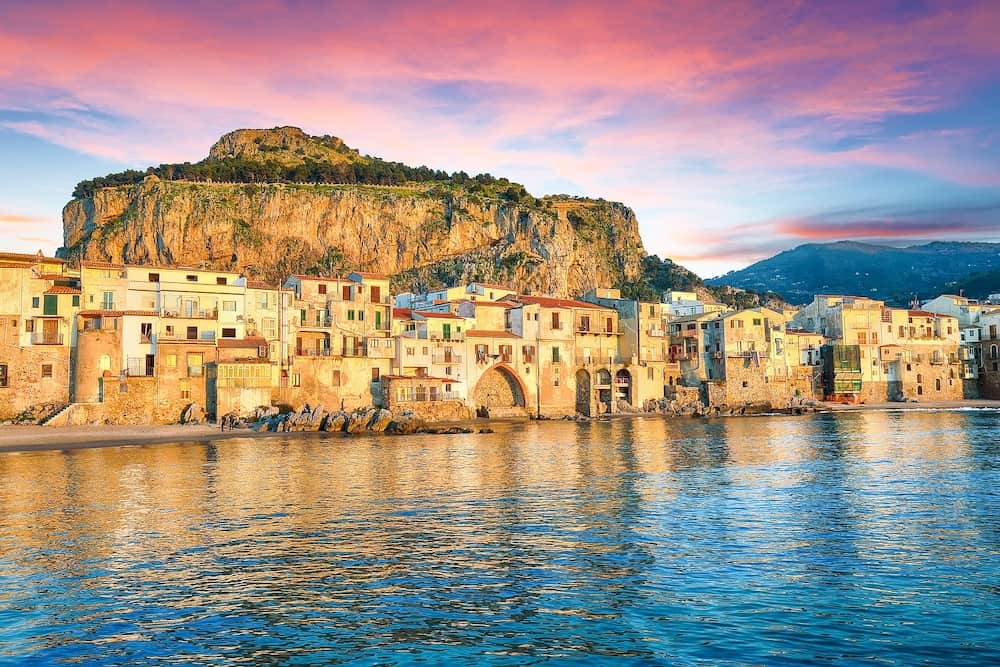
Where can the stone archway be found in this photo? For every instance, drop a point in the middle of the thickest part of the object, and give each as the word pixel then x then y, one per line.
pixel 623 385
pixel 583 392
pixel 498 388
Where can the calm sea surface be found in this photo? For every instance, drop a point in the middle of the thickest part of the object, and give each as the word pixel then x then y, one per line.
pixel 856 538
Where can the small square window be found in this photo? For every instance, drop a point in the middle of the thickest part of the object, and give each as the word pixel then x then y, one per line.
pixel 34 302
pixel 220 281
pixel 46 370
pixel 191 278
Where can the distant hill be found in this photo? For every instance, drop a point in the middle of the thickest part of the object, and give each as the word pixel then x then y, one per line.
pixel 877 271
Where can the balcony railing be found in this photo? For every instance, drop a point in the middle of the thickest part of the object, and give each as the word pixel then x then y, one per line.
pixel 43 338
pixel 322 352
pixel 196 314
pixel 446 359
pixel 356 351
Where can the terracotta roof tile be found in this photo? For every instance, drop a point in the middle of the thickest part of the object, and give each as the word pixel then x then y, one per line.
pixel 552 302
pixel 439 316
pixel 29 256
pixel 62 289
pixel 483 333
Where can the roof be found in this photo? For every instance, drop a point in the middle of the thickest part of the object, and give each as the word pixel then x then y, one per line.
pixel 58 276
pixel 552 302
pixel 253 341
pixel 402 313
pixel 694 318
pixel 494 286
pixel 331 279
pixel 260 284
pixel 62 289
pixel 100 265
pixel 494 304
pixel 484 333
pixel 365 274
pixel 433 315
pixel 118 313
pixel 38 257
pixel 924 313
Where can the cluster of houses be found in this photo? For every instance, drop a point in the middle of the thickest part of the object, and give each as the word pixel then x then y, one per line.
pixel 139 344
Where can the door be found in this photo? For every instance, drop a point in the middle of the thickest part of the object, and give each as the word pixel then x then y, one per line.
pixel 150 365
pixel 378 319
pixel 50 331
pixel 447 331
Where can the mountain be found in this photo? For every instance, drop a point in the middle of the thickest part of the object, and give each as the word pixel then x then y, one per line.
pixel 279 201
pixel 863 269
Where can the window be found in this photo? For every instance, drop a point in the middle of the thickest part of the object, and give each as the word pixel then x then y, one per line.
pixel 46 370
pixel 321 288
pixel 229 306
pixel 555 375
pixel 192 333
pixel 345 293
pixel 4 377
pixel 609 325
pixel 555 321
pixel 195 364
pixel 35 302
pixel 105 363
pixel 376 374
pixel 76 300
pixel 270 327
pixel 171 361
pixel 585 323
pixel 756 321
pixel 335 378
pixel 350 315
pixel 29 326
pixel 228 332
pixel 296 379
pixel 192 278
pixel 528 352
pixel 219 280
pixel 169 331
pixel 361 315
pixel 108 301
pixel 376 294
pixel 555 354
pixel 185 387
pixel 154 277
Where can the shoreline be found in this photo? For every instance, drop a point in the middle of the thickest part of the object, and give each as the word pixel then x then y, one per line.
pixel 33 438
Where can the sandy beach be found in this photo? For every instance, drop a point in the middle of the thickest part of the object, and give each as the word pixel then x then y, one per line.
pixel 36 438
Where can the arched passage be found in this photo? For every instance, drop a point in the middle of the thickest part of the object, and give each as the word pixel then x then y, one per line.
pixel 623 385
pixel 499 388
pixel 583 392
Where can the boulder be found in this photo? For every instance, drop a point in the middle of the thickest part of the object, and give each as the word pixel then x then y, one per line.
pixel 358 421
pixel 405 424
pixel 334 422
pixel 192 414
pixel 379 421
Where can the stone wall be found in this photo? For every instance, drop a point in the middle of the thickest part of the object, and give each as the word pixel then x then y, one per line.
pixel 747 384
pixel 436 411
pixel 26 386
pixel 930 382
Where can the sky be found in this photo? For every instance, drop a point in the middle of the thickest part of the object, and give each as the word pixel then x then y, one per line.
pixel 734 129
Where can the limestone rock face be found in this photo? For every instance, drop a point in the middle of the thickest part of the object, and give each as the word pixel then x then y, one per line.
pixel 423 235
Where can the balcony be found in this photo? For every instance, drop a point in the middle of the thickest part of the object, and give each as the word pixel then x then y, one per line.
pixel 193 314
pixel 322 352
pixel 355 351
pixel 43 338
pixel 446 359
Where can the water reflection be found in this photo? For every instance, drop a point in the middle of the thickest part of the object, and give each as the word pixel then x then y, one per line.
pixel 829 537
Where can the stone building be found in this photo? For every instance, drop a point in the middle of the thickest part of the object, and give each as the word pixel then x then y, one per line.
pixel 39 297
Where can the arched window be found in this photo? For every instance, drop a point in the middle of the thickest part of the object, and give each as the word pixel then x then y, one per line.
pixel 920 378
pixel 920 391
pixel 993 352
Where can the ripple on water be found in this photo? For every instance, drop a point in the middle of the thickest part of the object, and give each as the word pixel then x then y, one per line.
pixel 837 539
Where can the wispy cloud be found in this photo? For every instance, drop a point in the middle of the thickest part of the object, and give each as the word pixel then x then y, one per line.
pixel 652 103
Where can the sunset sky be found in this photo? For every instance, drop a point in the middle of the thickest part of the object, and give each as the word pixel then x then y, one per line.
pixel 733 129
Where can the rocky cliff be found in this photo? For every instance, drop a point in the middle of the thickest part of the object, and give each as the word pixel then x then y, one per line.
pixel 423 233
